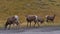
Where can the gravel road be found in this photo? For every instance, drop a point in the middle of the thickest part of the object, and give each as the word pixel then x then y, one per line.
pixel 32 30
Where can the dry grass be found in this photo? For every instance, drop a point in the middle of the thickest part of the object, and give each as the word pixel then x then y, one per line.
pixel 26 7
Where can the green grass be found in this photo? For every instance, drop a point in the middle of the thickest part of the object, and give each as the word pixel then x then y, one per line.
pixel 27 7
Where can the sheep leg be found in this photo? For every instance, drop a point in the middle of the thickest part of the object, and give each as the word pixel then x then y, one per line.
pixel 34 24
pixel 38 24
pixel 9 26
pixel 30 24
pixel 6 25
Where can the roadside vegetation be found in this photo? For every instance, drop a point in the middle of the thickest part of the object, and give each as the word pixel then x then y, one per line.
pixel 29 7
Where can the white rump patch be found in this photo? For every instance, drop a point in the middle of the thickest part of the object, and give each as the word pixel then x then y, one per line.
pixel 36 17
pixel 16 17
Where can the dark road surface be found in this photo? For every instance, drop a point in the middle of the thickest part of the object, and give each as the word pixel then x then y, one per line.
pixel 39 30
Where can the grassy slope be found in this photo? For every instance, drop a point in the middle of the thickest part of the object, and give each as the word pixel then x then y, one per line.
pixel 24 7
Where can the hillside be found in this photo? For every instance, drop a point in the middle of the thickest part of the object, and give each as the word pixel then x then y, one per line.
pixel 27 7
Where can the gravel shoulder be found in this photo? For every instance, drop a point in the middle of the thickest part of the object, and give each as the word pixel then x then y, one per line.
pixel 32 30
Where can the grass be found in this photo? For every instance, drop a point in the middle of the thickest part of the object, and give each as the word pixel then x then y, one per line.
pixel 27 7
